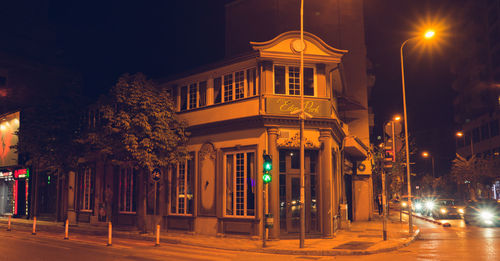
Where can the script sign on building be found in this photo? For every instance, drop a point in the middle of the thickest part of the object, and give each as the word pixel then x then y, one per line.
pixel 317 108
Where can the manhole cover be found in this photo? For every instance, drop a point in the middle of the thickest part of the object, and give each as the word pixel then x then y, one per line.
pixel 355 245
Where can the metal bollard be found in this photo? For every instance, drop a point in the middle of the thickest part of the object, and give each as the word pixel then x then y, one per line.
pixel 110 232
pixel 34 226
pixel 8 224
pixel 157 235
pixel 66 236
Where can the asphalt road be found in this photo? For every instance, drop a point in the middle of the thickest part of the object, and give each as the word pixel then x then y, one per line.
pixel 458 242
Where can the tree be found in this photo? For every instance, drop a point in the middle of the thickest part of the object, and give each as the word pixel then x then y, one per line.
pixel 473 171
pixel 138 125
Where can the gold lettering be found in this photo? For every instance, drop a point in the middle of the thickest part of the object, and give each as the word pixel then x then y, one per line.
pixel 311 107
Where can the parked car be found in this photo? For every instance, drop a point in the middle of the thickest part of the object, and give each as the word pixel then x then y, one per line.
pixel 445 208
pixel 483 212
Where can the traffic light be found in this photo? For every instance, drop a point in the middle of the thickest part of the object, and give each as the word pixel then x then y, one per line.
pixel 389 156
pixel 268 166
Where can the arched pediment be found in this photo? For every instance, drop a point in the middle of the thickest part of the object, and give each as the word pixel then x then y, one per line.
pixel 285 46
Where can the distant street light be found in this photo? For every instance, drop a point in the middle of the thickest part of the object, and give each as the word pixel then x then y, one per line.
pixel 426 154
pixel 427 35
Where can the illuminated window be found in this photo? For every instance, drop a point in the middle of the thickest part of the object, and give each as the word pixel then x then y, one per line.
pixel 182 178
pixel 240 183
pixel 228 87
pixel 86 189
pixel 126 194
pixel 287 80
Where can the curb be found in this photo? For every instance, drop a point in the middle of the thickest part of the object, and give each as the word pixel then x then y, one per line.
pixel 312 252
pixel 431 220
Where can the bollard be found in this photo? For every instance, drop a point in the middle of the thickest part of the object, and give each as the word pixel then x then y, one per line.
pixel 157 235
pixel 110 232
pixel 34 226
pixel 8 224
pixel 66 230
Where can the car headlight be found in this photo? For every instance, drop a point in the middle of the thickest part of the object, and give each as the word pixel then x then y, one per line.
pixel 443 210
pixel 461 211
pixel 418 206
pixel 486 215
pixel 429 205
pixel 404 204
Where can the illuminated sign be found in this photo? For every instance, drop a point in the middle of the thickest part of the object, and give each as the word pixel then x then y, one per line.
pixel 21 173
pixel 284 106
pixel 9 125
pixel 6 175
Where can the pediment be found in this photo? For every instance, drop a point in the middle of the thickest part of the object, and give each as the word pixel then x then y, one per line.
pixel 284 46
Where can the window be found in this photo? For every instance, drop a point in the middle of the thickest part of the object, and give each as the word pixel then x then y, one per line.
pixel 184 102
pixel 228 87
pixel 251 82
pixel 485 132
pixel 494 130
pixel 192 96
pixel 203 94
pixel 239 175
pixel 475 135
pixel 182 199
pixel 217 90
pixel 86 189
pixel 239 85
pixel 127 190
pixel 287 80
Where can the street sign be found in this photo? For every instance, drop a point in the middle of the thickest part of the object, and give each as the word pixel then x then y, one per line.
pixel 156 175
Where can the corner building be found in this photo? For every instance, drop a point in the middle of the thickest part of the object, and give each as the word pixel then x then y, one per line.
pixel 241 107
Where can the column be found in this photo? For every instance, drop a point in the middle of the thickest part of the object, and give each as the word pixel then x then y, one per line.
pixel 274 193
pixel 325 138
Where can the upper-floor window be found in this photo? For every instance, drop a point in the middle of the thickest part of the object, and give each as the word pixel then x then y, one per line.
pixel 287 80
pixel 193 95
pixel 236 85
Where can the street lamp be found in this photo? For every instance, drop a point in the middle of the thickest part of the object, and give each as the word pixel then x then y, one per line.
pixel 427 35
pixel 426 155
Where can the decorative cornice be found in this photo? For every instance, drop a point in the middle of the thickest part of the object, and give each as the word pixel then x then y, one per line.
pixel 294 143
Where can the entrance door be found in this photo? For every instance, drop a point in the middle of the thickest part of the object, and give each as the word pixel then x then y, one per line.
pixel 290 193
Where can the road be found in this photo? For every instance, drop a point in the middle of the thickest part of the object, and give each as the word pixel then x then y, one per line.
pixel 458 242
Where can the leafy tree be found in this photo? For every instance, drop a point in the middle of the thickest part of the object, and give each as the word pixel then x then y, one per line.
pixel 474 171
pixel 138 125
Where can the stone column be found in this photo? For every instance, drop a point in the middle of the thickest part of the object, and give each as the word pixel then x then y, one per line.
pixel 325 138
pixel 274 195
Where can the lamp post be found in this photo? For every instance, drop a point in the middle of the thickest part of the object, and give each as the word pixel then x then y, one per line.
pixel 428 34
pixel 426 154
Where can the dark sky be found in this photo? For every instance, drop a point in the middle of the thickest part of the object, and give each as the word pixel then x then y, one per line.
pixel 103 39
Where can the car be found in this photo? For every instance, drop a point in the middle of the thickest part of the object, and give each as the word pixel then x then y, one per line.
pixel 445 208
pixel 483 212
pixel 403 203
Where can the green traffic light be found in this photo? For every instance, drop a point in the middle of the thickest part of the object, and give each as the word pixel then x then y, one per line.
pixel 267 178
pixel 268 162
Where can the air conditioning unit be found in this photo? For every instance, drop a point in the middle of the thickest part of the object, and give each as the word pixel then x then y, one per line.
pixel 364 167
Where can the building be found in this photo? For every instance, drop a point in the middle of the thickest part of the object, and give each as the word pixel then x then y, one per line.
pixel 240 108
pixel 477 82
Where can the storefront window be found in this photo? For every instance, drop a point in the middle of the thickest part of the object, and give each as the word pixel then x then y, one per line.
pixel 239 174
pixel 86 189
pixel 182 180
pixel 127 191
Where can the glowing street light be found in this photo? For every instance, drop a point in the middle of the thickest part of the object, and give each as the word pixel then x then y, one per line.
pixel 429 34
pixel 426 155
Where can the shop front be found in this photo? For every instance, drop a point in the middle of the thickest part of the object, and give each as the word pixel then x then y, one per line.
pixel 14 192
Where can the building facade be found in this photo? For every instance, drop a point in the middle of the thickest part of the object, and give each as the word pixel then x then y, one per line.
pixel 241 108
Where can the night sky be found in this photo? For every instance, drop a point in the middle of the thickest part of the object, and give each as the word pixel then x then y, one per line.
pixel 103 39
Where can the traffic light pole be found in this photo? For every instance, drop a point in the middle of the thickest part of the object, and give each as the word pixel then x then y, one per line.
pixel 264 212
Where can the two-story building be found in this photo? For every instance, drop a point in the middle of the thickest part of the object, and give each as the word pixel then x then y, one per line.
pixel 239 109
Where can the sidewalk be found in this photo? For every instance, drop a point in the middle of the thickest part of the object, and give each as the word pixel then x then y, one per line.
pixel 363 238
